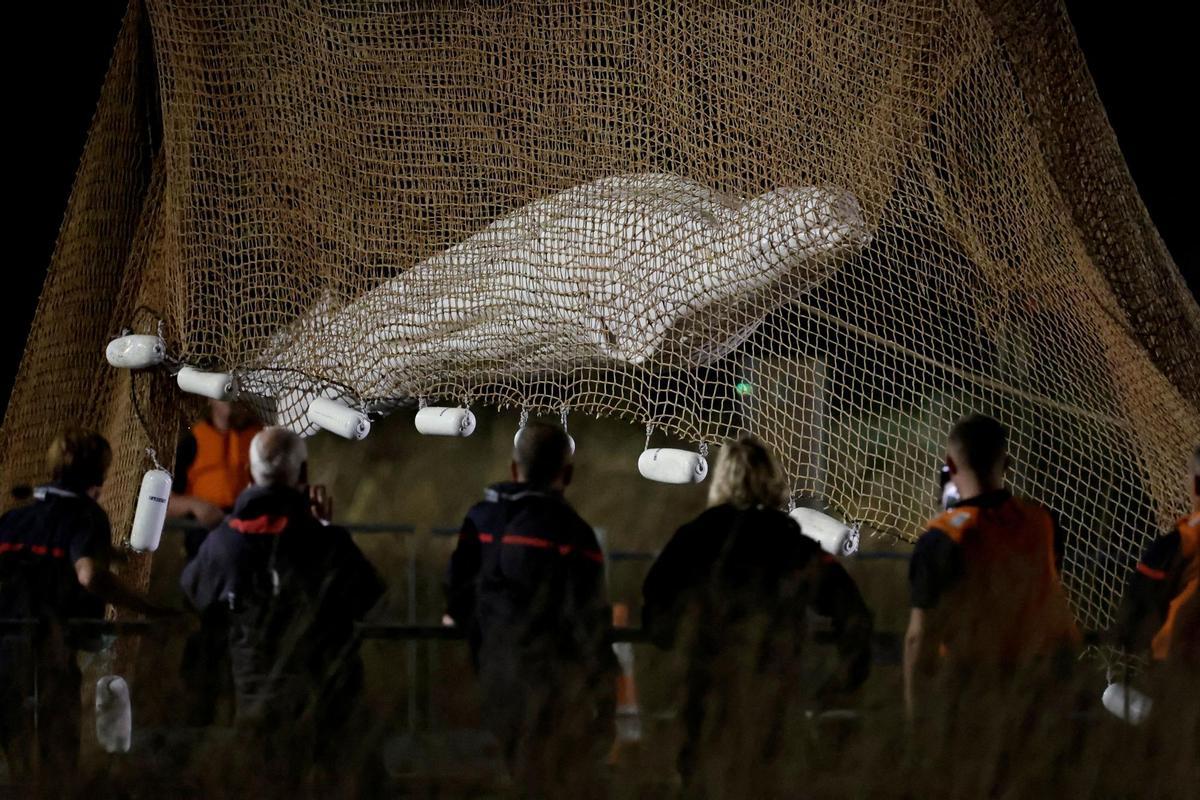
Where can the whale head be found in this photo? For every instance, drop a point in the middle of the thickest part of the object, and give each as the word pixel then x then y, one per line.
pixel 781 227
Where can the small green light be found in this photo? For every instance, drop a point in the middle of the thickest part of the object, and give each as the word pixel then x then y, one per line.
pixel 744 387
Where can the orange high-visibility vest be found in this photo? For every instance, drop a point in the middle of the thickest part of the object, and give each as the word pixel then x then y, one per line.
pixel 1010 605
pixel 221 469
pixel 1189 543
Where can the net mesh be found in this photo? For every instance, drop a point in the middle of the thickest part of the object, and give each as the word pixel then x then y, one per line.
pixel 838 225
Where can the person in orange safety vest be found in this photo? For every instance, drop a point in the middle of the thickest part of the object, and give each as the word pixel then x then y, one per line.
pixel 212 467
pixel 986 595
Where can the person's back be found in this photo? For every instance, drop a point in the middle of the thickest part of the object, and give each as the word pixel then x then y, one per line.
pixel 728 569
pixel 293 589
pixel 54 555
pixel 732 590
pixel 527 581
pixel 541 575
pixel 39 543
pixel 1005 605
pixel 991 646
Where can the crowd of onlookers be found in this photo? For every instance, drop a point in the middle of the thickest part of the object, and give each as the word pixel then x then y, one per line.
pixel 990 652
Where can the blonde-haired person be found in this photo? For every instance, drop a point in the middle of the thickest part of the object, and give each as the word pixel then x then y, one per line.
pixel 747 476
pixel 732 589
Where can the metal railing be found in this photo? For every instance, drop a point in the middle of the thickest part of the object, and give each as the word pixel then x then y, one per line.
pixel 379 630
pixel 412 633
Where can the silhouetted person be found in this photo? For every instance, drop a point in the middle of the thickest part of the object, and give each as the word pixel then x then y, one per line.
pixel 212 467
pixel 1160 617
pixel 1166 577
pixel 733 589
pixel 991 638
pixel 54 566
pixel 293 589
pixel 527 582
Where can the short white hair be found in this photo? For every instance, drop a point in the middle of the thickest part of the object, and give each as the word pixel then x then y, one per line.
pixel 276 457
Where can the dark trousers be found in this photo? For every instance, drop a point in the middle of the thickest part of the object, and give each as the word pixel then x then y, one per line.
pixel 740 718
pixel 554 720
pixel 40 710
pixel 988 729
pixel 308 733
pixel 205 670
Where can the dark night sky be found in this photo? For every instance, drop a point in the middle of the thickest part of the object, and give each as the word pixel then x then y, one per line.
pixel 1143 63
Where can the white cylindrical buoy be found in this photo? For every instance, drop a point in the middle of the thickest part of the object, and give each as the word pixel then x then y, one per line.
pixel 668 465
pixel 114 714
pixel 338 418
pixel 217 385
pixel 1127 703
pixel 136 351
pixel 446 421
pixel 151 511
pixel 835 537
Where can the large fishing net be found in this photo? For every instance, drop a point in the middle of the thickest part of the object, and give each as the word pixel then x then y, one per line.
pixel 838 225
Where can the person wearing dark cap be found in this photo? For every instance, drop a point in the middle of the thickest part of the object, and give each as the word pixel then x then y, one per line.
pixel 526 581
pixel 54 566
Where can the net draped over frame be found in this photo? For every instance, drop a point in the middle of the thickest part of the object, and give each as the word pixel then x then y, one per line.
pixel 837 225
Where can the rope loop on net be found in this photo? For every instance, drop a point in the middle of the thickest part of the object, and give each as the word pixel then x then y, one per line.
pixel 152 454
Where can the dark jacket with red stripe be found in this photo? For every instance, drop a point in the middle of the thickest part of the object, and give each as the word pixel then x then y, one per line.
pixel 39 545
pixel 293 589
pixel 528 575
